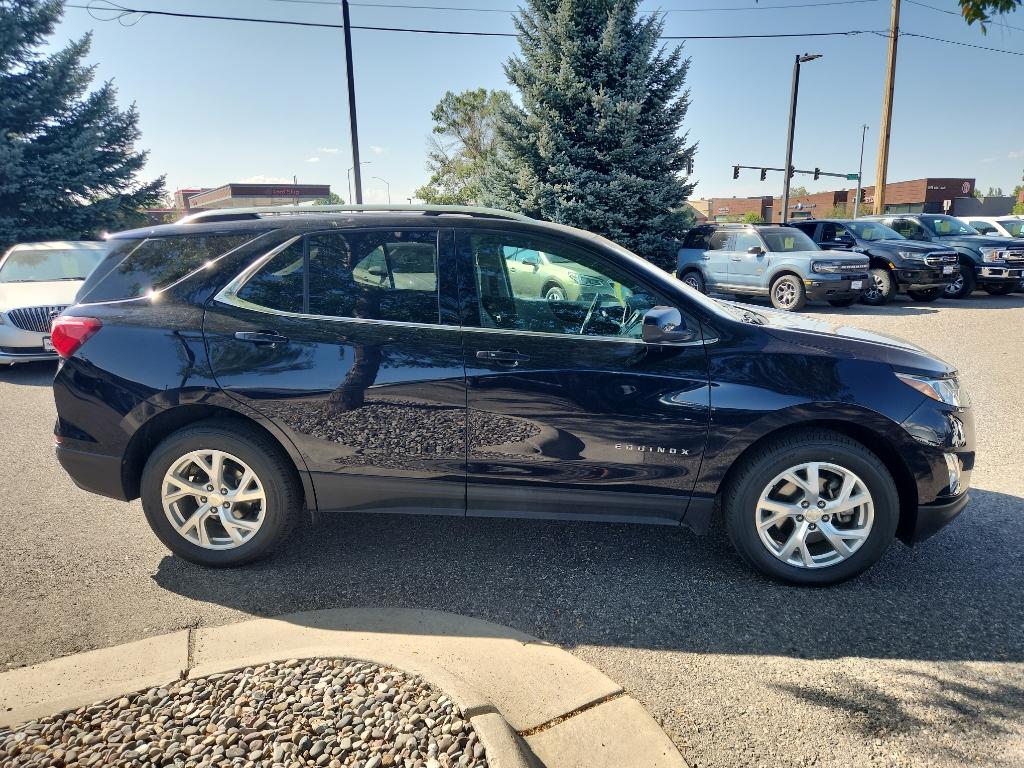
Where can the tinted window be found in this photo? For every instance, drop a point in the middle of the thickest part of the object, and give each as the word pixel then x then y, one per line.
pixel 873 230
pixel 720 241
pixel 557 293
pixel 368 275
pixel 806 227
pixel 134 268
pixel 697 238
pixel 1014 226
pixel 910 229
pixel 984 227
pixel 947 225
pixel 46 264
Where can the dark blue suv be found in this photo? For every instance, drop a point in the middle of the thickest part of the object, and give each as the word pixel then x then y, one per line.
pixel 239 367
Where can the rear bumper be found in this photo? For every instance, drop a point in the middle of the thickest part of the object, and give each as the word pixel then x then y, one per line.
pixel 93 472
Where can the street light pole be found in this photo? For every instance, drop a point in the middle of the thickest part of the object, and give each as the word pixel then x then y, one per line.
pixel 860 172
pixel 786 174
pixel 378 178
pixel 349 175
pixel 354 124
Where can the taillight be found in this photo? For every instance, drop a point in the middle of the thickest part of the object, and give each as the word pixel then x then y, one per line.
pixel 70 333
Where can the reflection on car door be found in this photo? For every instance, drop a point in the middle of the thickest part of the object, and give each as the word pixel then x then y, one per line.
pixel 341 340
pixel 720 251
pixel 747 269
pixel 592 424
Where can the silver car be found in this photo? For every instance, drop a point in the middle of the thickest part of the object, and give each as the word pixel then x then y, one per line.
pixel 37 282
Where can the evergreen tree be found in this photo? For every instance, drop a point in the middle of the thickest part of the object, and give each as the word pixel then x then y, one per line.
pixel 68 168
pixel 597 143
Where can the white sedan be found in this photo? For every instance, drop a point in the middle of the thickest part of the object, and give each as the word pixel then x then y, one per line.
pixel 997 226
pixel 37 282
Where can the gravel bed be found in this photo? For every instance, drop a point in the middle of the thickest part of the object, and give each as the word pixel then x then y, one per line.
pixel 322 712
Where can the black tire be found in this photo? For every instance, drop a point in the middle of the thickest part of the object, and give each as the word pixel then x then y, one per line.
pixel 964 285
pixel 999 290
pixel 929 294
pixel 272 466
pixel 798 293
pixel 881 288
pixel 740 499
pixel 553 292
pixel 695 280
pixel 841 302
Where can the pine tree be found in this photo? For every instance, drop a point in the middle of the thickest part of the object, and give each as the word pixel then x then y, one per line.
pixel 597 142
pixel 68 167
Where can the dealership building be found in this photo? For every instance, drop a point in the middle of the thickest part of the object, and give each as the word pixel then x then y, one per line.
pixel 954 196
pixel 195 199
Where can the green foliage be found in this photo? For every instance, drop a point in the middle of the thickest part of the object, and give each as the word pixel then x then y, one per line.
pixel 333 198
pixel 1018 209
pixel 838 211
pixel 752 218
pixel 982 10
pixel 797 192
pixel 463 145
pixel 68 169
pixel 598 141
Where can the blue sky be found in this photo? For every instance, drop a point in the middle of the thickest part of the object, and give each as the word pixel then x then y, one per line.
pixel 229 101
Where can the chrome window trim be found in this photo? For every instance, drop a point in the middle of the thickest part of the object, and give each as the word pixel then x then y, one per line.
pixel 228 295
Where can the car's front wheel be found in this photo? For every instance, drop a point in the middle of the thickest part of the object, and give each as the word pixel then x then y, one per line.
pixel 881 288
pixel 963 286
pixel 813 507
pixel 220 493
pixel 788 292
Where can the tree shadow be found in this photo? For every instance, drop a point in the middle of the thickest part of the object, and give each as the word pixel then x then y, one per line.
pixel 956 597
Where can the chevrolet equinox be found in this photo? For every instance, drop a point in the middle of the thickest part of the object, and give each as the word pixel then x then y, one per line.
pixel 240 367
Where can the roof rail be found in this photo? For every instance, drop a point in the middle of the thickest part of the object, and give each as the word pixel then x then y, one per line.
pixel 229 214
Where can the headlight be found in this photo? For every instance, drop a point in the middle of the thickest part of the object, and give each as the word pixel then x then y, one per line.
pixel 911 255
pixel 947 390
pixel 992 255
pixel 579 279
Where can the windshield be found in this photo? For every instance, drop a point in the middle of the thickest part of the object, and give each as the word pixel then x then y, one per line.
pixel 947 225
pixel 46 264
pixel 873 230
pixel 787 240
pixel 1014 226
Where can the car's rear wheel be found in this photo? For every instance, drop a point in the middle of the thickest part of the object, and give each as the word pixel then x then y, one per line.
pixel 220 493
pixel 880 289
pixel 1000 290
pixel 695 280
pixel 814 507
pixel 788 293
pixel 928 294
pixel 963 286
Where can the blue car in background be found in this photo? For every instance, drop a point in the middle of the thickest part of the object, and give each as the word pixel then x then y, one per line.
pixel 779 262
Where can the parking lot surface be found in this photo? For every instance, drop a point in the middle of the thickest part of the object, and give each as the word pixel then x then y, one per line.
pixel 919 662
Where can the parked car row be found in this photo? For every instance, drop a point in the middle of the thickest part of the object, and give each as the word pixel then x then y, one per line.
pixel 840 261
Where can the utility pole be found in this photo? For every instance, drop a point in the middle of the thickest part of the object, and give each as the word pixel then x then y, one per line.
pixel 860 172
pixel 352 101
pixel 800 59
pixel 886 124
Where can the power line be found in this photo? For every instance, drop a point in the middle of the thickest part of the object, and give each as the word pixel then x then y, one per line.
pixel 123 15
pixel 959 16
pixel 409 6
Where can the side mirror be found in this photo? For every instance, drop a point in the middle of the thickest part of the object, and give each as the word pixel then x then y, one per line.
pixel 665 325
pixel 755 250
pixel 377 271
pixel 529 261
pixel 845 240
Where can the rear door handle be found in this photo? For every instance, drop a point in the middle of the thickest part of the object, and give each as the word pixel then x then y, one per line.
pixel 262 337
pixel 509 356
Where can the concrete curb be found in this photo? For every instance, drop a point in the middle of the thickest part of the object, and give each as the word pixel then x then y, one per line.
pixel 530 702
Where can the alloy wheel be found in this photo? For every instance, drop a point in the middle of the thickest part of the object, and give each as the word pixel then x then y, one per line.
pixel 956 286
pixel 875 288
pixel 692 281
pixel 785 293
pixel 555 293
pixel 213 499
pixel 814 515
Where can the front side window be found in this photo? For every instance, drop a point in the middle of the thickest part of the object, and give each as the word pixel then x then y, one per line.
pixel 561 289
pixel 947 225
pixel 746 240
pixel 874 230
pixel 910 229
pixel 984 227
pixel 372 275
pixel 1014 226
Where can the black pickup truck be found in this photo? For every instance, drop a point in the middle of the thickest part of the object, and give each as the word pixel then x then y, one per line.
pixel 921 270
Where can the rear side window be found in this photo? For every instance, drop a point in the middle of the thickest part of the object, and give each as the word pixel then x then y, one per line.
pixel 720 241
pixel 374 275
pixel 697 238
pixel 134 268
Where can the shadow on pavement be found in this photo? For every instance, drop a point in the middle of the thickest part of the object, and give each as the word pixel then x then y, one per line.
pixel 958 597
pixel 28 374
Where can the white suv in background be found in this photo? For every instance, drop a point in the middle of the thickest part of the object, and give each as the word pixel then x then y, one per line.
pixel 997 226
pixel 37 281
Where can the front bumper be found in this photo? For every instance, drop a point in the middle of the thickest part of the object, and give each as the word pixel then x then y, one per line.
pixel 20 346
pixel 1008 274
pixel 923 279
pixel 932 518
pixel 826 287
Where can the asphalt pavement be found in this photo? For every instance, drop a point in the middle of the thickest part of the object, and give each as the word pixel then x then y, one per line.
pixel 918 662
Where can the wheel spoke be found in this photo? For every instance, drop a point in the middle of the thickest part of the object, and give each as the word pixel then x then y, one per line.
pixel 198 521
pixel 837 537
pixel 798 481
pixel 185 488
pixel 796 543
pixel 780 511
pixel 851 503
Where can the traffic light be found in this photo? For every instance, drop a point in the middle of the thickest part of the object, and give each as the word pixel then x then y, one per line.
pixel 792 171
pixel 689 166
pixel 764 174
pixel 817 173
pixel 735 171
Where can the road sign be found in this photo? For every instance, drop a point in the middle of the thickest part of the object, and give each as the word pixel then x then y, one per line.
pixel 852 176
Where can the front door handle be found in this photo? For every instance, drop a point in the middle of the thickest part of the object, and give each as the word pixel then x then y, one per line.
pixel 262 337
pixel 735 258
pixel 506 356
